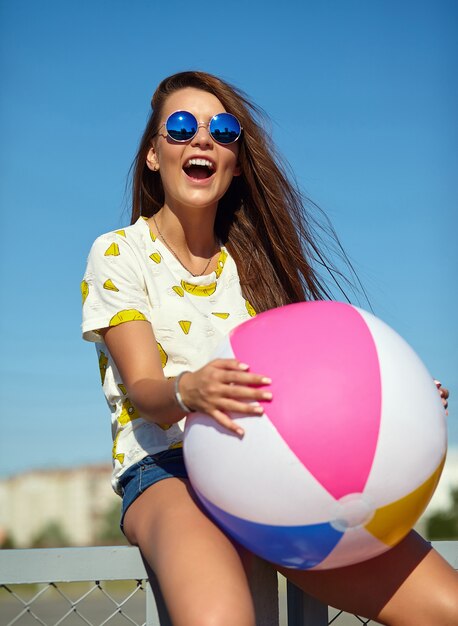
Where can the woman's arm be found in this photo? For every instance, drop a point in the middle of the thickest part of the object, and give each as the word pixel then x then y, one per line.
pixel 220 387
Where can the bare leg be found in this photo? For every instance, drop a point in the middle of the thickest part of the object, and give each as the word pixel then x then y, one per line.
pixel 200 572
pixel 410 585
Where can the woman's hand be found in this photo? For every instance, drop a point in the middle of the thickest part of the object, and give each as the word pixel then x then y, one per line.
pixel 443 394
pixel 225 386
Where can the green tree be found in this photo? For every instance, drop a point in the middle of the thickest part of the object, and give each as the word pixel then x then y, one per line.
pixel 50 536
pixel 8 543
pixel 110 533
pixel 444 524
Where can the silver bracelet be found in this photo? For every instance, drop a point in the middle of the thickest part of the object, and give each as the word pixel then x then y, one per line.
pixel 177 393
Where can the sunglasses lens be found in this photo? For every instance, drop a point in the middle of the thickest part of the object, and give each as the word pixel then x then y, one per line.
pixel 225 128
pixel 181 126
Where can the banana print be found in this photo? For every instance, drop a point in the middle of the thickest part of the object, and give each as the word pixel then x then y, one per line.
pixel 250 309
pixel 221 261
pixel 108 284
pixel 173 446
pixel 121 232
pixel 164 356
pixel 185 326
pixel 156 257
pixel 222 316
pixel 84 290
pixel 103 364
pixel 122 388
pixel 129 413
pixel 199 290
pixel 115 455
pixel 128 315
pixel 164 426
pixel 112 250
pixel 178 290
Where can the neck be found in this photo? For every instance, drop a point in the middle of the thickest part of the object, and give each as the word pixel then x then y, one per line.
pixel 195 250
pixel 189 232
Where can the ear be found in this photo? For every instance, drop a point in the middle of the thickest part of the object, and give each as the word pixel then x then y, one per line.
pixel 237 170
pixel 152 160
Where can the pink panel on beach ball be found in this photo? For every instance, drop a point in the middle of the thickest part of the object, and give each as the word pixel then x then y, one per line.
pixel 306 349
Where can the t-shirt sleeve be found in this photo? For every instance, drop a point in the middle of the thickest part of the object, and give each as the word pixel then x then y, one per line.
pixel 113 287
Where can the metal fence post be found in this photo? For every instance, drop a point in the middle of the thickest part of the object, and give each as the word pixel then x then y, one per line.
pixel 304 610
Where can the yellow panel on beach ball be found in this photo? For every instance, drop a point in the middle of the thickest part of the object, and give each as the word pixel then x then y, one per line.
pixel 393 521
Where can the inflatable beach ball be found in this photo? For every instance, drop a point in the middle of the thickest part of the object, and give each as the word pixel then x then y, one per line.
pixel 345 457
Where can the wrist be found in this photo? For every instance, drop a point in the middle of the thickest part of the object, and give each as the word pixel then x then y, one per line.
pixel 176 391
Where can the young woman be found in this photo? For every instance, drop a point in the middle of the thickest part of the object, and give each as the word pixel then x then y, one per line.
pixel 217 233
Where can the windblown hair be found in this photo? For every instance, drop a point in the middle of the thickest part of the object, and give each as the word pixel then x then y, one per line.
pixel 262 218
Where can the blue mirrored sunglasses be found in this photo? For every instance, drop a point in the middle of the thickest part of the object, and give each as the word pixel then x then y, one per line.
pixel 224 128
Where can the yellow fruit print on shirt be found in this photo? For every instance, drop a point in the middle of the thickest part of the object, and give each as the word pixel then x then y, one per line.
pixel 177 444
pixel 129 413
pixel 250 309
pixel 84 290
pixel 185 325
pixel 128 315
pixel 221 261
pixel 199 290
pixel 116 456
pixel 164 357
pixel 178 290
pixel 112 250
pixel 122 389
pixel 156 257
pixel 223 316
pixel 108 284
pixel 121 232
pixel 103 364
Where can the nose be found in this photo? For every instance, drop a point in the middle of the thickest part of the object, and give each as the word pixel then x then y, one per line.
pixel 202 137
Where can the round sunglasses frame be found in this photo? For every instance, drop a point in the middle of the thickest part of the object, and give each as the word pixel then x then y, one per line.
pixel 206 125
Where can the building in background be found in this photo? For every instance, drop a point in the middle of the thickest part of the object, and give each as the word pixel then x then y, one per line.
pixel 73 501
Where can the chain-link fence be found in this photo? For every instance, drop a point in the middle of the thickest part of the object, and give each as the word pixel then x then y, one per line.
pixel 74 604
pixel 110 586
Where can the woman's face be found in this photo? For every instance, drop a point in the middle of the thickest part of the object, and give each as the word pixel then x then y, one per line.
pixel 186 185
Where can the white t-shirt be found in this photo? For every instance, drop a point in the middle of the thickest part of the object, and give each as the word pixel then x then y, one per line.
pixel 131 275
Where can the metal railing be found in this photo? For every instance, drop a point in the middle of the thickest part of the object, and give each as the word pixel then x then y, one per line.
pixel 113 585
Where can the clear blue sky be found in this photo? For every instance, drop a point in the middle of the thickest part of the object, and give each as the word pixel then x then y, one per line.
pixel 373 87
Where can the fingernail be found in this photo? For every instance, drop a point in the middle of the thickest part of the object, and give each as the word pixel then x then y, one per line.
pixel 266 380
pixel 240 432
pixel 244 366
pixel 259 409
pixel 438 383
pixel 267 395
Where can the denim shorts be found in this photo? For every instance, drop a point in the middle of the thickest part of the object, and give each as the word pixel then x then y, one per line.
pixel 150 470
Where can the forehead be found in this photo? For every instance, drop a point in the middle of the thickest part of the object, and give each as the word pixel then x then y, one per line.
pixel 201 103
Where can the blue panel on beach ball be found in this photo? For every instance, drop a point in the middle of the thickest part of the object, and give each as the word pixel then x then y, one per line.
pixel 298 547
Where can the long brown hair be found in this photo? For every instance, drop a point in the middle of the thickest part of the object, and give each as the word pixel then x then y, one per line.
pixel 262 218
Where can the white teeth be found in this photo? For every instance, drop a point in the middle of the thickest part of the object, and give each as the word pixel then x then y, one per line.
pixel 202 162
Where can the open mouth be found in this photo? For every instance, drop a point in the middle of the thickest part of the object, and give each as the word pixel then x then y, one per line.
pixel 199 169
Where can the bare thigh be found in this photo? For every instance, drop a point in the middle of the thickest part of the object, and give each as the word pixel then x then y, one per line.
pixel 411 584
pixel 199 569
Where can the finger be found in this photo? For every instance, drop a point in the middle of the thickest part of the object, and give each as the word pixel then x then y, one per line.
pixel 224 420
pixel 231 364
pixel 444 393
pixel 244 408
pixel 245 378
pixel 240 392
